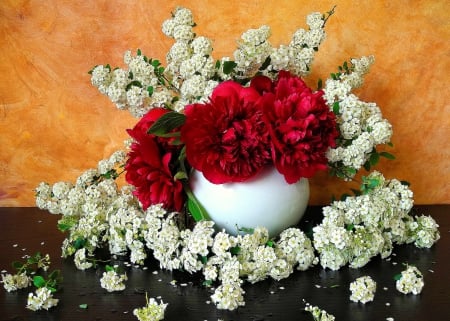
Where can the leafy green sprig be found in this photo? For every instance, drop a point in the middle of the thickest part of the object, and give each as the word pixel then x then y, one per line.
pixel 38 263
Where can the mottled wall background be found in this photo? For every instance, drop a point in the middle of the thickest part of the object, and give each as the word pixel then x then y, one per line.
pixel 54 124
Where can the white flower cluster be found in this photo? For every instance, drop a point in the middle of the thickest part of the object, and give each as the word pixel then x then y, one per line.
pixel 298 55
pixel 225 258
pixel 27 275
pixel 81 261
pixel 41 299
pixel 411 281
pixel 361 124
pixel 318 314
pixel 360 227
pixel 97 214
pixel 14 282
pixel 112 281
pixel 424 231
pixel 86 206
pixel 153 311
pixel 363 289
pixel 192 73
pixel 253 50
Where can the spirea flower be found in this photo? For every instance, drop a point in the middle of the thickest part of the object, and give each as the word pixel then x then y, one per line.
pixel 318 314
pixel 112 281
pixel 14 282
pixel 363 289
pixel 153 311
pixel 410 281
pixel 424 231
pixel 80 260
pixel 228 296
pixel 231 143
pixel 41 299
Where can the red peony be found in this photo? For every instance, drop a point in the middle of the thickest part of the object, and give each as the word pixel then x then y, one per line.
pixel 149 166
pixel 226 138
pixel 301 126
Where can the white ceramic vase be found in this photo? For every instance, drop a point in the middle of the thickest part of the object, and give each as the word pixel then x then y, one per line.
pixel 265 200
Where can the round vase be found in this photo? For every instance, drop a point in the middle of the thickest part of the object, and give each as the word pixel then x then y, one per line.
pixel 265 200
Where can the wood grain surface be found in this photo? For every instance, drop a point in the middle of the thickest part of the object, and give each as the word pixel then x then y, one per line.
pixel 27 230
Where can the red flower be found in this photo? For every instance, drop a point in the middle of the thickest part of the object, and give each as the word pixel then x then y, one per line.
pixel 301 127
pixel 149 166
pixel 226 138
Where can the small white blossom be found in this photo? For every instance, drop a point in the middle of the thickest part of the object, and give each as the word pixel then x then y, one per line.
pixel 411 281
pixel 153 311
pixel 112 281
pixel 319 314
pixel 14 282
pixel 228 296
pixel 315 20
pixel 80 260
pixel 424 231
pixel 42 299
pixel 363 289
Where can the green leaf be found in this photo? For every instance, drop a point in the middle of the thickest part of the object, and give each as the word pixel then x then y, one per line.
pixel 139 52
pixel 397 277
pixel 180 175
pixel 109 268
pixel 167 123
pixel 349 227
pixel 203 259
pixel 235 250
pixel 265 64
pixel 33 260
pixel 55 275
pixel 83 306
pixel 38 281
pixel 228 67
pixel 52 289
pixel 155 63
pixel 344 196
pixel 387 155
pixel 207 283
pixel 64 226
pixel 17 265
pixel 406 183
pixel 79 243
pixel 374 159
pixel 133 83
pixel 246 230
pixel 336 108
pixel 319 84
pixel 195 208
pixel 150 90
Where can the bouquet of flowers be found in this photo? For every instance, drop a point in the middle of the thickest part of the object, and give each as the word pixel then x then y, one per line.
pixel 229 119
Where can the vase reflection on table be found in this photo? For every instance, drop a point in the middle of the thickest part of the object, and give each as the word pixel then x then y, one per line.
pixel 265 201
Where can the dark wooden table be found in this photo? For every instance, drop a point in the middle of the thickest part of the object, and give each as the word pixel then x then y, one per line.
pixel 28 230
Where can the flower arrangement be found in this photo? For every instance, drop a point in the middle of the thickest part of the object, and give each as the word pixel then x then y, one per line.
pixel 229 119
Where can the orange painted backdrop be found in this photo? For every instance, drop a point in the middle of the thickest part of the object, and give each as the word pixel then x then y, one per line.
pixel 54 124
